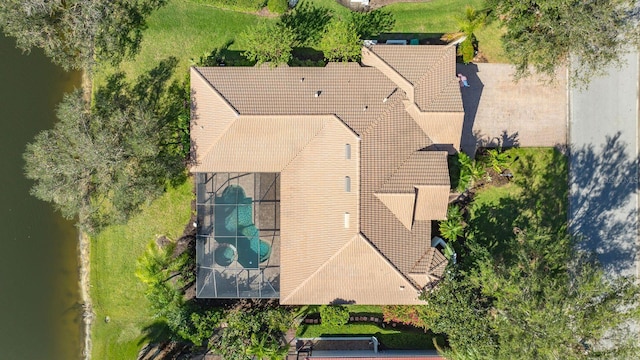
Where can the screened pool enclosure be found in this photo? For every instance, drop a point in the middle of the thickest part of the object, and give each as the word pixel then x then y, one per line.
pixel 238 241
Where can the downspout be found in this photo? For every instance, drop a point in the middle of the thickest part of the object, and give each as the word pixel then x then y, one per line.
pixel 375 344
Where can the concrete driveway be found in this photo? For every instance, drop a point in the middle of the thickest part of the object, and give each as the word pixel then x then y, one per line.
pixel 499 111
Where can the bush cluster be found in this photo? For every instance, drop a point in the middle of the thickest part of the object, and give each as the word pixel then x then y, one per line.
pixel 334 315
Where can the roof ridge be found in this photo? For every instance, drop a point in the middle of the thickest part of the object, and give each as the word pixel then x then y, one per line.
pixel 313 274
pixel 395 98
pixel 324 125
pixel 371 49
pixel 386 259
pixel 395 172
pixel 216 90
pixel 429 251
pixel 424 77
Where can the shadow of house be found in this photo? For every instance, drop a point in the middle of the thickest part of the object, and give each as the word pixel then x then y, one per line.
pixel 470 100
pixel 603 183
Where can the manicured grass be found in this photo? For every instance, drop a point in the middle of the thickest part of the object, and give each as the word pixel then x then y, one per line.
pixel 391 338
pixel 188 29
pixel 115 291
pixel 185 29
pixel 441 16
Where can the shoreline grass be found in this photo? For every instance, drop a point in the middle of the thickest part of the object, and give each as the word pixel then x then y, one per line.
pixel 116 292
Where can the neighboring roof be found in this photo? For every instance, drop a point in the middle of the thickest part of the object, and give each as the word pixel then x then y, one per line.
pixel 296 121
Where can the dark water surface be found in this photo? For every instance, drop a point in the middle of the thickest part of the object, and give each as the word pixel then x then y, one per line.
pixel 39 298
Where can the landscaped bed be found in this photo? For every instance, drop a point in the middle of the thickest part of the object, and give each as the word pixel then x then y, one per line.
pixel 389 337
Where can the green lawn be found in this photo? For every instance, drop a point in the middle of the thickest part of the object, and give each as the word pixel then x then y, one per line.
pixel 188 29
pixel 391 338
pixel 539 190
pixel 115 291
pixel 185 29
pixel 441 16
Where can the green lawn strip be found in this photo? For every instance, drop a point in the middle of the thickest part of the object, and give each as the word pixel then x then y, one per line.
pixel 185 29
pixel 116 292
pixel 391 338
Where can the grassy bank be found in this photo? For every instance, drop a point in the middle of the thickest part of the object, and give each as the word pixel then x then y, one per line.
pixel 185 29
pixel 116 292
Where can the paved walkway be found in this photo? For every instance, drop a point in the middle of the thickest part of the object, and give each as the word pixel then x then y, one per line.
pixel 499 111
pixel 603 200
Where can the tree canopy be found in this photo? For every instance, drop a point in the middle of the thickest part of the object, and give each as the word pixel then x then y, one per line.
pixel 77 33
pixel 542 35
pixel 268 42
pixel 524 286
pixel 340 41
pixel 100 164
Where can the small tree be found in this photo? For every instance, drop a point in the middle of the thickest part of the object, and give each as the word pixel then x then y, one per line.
pixel 334 315
pixel 466 50
pixel 340 42
pixel 268 42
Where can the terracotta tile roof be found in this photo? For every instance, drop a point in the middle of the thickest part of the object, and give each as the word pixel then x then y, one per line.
pixel 241 147
pixel 432 202
pixel 431 71
pixel 270 119
pixel 420 168
pixel 313 203
pixel 354 93
pixel 357 272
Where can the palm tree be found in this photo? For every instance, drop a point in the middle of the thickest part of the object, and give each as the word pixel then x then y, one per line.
pixel 472 21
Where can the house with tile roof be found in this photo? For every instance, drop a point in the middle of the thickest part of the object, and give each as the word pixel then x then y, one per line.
pixel 321 185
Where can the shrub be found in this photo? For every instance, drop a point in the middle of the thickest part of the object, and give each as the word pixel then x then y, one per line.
pixel 466 50
pixel 405 314
pixel 497 159
pixel 278 6
pixel 334 315
pixel 452 228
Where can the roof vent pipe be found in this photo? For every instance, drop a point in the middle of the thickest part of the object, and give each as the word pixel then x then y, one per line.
pixel 301 79
pixel 318 93
pixel 365 108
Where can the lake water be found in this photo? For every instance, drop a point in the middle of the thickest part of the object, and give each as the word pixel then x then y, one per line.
pixel 39 297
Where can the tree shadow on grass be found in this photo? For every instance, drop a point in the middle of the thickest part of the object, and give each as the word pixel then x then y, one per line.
pixel 603 215
pixel 540 201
